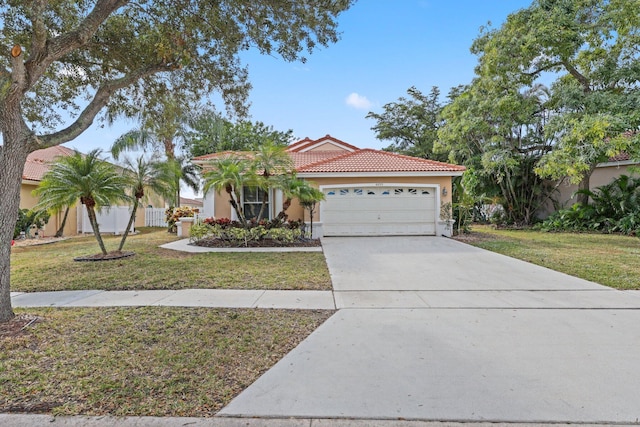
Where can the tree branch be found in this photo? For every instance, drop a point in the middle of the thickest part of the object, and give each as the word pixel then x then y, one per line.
pixel 60 46
pixel 18 75
pixel 545 68
pixel 101 98
pixel 39 36
pixel 578 76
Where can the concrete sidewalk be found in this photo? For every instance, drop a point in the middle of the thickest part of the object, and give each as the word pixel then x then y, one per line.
pixel 18 420
pixel 604 298
pixel 230 298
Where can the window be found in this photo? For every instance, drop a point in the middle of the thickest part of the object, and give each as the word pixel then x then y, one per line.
pixel 252 203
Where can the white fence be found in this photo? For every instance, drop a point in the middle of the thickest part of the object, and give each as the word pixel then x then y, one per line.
pixel 155 217
pixel 110 220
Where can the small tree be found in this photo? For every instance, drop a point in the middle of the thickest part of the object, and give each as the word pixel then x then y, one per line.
pixel 94 181
pixel 230 175
pixel 309 198
pixel 144 174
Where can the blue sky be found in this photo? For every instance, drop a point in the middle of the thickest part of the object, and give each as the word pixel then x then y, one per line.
pixel 386 47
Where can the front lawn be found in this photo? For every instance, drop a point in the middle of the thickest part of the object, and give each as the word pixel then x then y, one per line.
pixel 610 260
pixel 148 361
pixel 51 267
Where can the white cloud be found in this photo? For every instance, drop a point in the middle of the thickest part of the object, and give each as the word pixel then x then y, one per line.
pixel 358 101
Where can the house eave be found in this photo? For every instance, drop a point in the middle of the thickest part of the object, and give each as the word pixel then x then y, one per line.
pixel 617 164
pixel 376 174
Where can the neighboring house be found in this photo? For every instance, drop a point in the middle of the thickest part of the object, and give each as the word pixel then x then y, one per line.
pixel 37 164
pixel 603 174
pixel 35 167
pixel 191 203
pixel 368 192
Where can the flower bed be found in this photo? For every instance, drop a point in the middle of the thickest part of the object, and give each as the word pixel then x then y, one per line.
pixel 223 232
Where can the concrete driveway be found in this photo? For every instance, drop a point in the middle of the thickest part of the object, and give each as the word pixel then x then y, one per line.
pixel 433 329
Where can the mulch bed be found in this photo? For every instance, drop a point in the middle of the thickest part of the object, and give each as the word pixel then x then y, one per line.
pixel 18 325
pixel 265 243
pixel 110 256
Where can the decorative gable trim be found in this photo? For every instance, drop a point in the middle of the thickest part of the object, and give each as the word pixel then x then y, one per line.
pixel 307 144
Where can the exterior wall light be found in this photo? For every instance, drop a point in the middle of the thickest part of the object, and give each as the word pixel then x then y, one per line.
pixel 444 191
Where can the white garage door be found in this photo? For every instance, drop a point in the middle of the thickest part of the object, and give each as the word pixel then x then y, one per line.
pixel 378 211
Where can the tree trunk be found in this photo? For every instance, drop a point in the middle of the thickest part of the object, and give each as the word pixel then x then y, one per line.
pixel 60 231
pixel 131 219
pixel 13 159
pixel 13 155
pixel 583 199
pixel 94 225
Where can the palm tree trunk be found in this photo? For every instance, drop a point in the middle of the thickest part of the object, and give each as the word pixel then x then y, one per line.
pixel 96 231
pixel 60 231
pixel 131 219
pixel 236 207
pixel 262 207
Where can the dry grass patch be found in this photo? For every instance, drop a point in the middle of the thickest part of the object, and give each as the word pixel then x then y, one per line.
pixel 51 267
pixel 151 361
pixel 610 260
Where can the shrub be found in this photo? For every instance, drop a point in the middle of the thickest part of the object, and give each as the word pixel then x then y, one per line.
pixel 614 207
pixel 235 234
pixel 173 214
pixel 28 218
pixel 199 231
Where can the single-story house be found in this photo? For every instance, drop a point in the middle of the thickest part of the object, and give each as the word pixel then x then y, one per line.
pixel 367 192
pixel 37 164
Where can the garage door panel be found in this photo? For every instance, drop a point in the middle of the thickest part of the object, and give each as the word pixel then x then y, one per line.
pixel 372 211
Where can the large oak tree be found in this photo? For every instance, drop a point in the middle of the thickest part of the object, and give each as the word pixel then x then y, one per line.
pixel 83 57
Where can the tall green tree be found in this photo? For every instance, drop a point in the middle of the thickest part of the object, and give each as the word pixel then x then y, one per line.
pixel 592 45
pixel 411 124
pixel 95 182
pixel 112 55
pixel 497 131
pixel 210 133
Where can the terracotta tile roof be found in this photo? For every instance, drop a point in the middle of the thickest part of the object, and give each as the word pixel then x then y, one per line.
pixel 368 160
pixel 38 162
pixel 188 201
pixel 303 159
pixel 620 157
pixel 337 161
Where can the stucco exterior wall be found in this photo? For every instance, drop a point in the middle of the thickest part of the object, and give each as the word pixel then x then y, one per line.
pixel 602 175
pixel 28 201
pixel 326 146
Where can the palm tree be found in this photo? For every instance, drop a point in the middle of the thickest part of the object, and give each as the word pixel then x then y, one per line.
pixel 230 175
pixel 178 166
pixel 94 181
pixel 145 174
pixel 292 187
pixel 309 197
pixel 272 160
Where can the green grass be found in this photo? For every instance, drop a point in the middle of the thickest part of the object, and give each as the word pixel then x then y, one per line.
pixel 610 260
pixel 51 267
pixel 151 361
